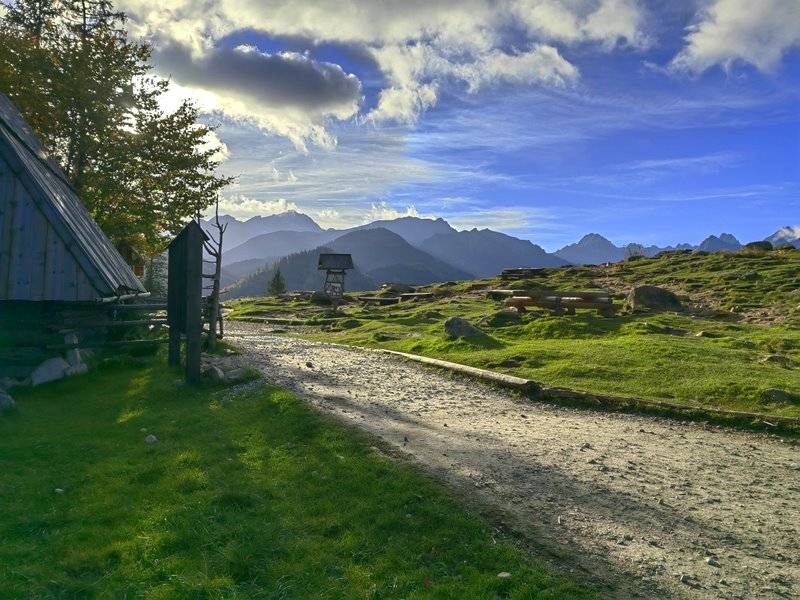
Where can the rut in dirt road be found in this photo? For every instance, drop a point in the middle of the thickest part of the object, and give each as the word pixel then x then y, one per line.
pixel 639 506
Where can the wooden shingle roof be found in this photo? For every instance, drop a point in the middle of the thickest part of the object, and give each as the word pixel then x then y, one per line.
pixel 57 201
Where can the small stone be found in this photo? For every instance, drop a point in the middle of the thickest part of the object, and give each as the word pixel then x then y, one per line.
pixel 58 491
pixel 143 430
pixel 504 575
pixel 151 439
pixel 711 561
pixel 310 365
pixel 586 446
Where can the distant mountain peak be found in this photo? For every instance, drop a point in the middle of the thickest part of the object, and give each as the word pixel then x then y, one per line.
pixel 789 234
pixel 725 241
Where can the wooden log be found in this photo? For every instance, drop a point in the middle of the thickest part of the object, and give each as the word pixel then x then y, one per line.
pixel 380 300
pixel 157 306
pixel 500 294
pixel 416 296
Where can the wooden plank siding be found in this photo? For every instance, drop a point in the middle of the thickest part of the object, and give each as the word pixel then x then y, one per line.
pixel 35 264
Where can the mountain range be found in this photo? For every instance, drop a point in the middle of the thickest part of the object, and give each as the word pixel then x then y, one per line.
pixel 410 250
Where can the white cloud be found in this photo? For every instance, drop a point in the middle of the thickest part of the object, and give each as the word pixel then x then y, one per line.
pixel 419 45
pixel 382 212
pixel 244 207
pixel 728 31
pixel 212 142
pixel 609 22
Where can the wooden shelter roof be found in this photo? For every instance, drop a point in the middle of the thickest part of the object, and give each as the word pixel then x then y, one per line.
pixel 55 198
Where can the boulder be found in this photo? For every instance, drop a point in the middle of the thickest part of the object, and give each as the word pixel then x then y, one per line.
pixel 52 369
pixel 775 395
pixel 215 374
pixel 650 297
pixel 456 327
pixel 777 359
pixel 6 401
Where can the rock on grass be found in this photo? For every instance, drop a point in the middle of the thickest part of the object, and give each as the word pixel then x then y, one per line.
pixel 775 395
pixel 650 297
pixel 456 327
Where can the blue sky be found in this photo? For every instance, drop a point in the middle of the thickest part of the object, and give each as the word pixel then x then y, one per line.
pixel 655 122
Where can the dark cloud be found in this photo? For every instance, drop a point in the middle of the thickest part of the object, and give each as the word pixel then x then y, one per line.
pixel 287 80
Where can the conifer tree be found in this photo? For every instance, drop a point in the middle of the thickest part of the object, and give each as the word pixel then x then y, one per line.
pixel 277 285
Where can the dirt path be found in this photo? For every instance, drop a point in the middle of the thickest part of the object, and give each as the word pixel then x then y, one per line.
pixel 643 506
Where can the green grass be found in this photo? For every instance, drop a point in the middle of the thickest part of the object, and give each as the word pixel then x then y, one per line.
pixel 744 317
pixel 259 497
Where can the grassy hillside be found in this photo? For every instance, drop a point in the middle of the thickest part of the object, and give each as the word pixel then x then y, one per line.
pixel 738 337
pixel 247 494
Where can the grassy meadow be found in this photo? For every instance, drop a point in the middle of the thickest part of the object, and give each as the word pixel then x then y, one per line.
pixel 247 494
pixel 742 320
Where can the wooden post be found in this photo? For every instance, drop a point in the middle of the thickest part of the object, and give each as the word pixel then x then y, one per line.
pixel 194 298
pixel 174 293
pixel 185 296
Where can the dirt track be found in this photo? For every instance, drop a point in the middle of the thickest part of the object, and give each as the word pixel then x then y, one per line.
pixel 640 506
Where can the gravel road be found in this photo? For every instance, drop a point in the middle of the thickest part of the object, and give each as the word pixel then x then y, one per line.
pixel 640 506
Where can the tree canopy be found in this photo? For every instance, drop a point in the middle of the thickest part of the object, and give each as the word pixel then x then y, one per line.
pixel 89 93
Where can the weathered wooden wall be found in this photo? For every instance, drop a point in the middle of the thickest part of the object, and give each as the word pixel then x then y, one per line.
pixel 34 262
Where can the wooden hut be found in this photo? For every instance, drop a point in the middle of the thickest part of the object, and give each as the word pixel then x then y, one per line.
pixel 54 258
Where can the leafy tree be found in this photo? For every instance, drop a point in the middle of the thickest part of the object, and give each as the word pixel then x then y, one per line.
pixel 277 285
pixel 88 92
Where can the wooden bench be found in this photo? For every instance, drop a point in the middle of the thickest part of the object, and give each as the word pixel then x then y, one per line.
pixel 565 302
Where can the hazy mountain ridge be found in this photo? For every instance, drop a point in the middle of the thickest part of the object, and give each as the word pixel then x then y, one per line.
pixel 414 230
pixel 474 253
pixel 238 232
pixel 594 249
pixel 379 256
pixel 481 252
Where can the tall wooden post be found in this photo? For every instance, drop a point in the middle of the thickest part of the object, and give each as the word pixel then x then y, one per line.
pixel 184 298
pixel 194 298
